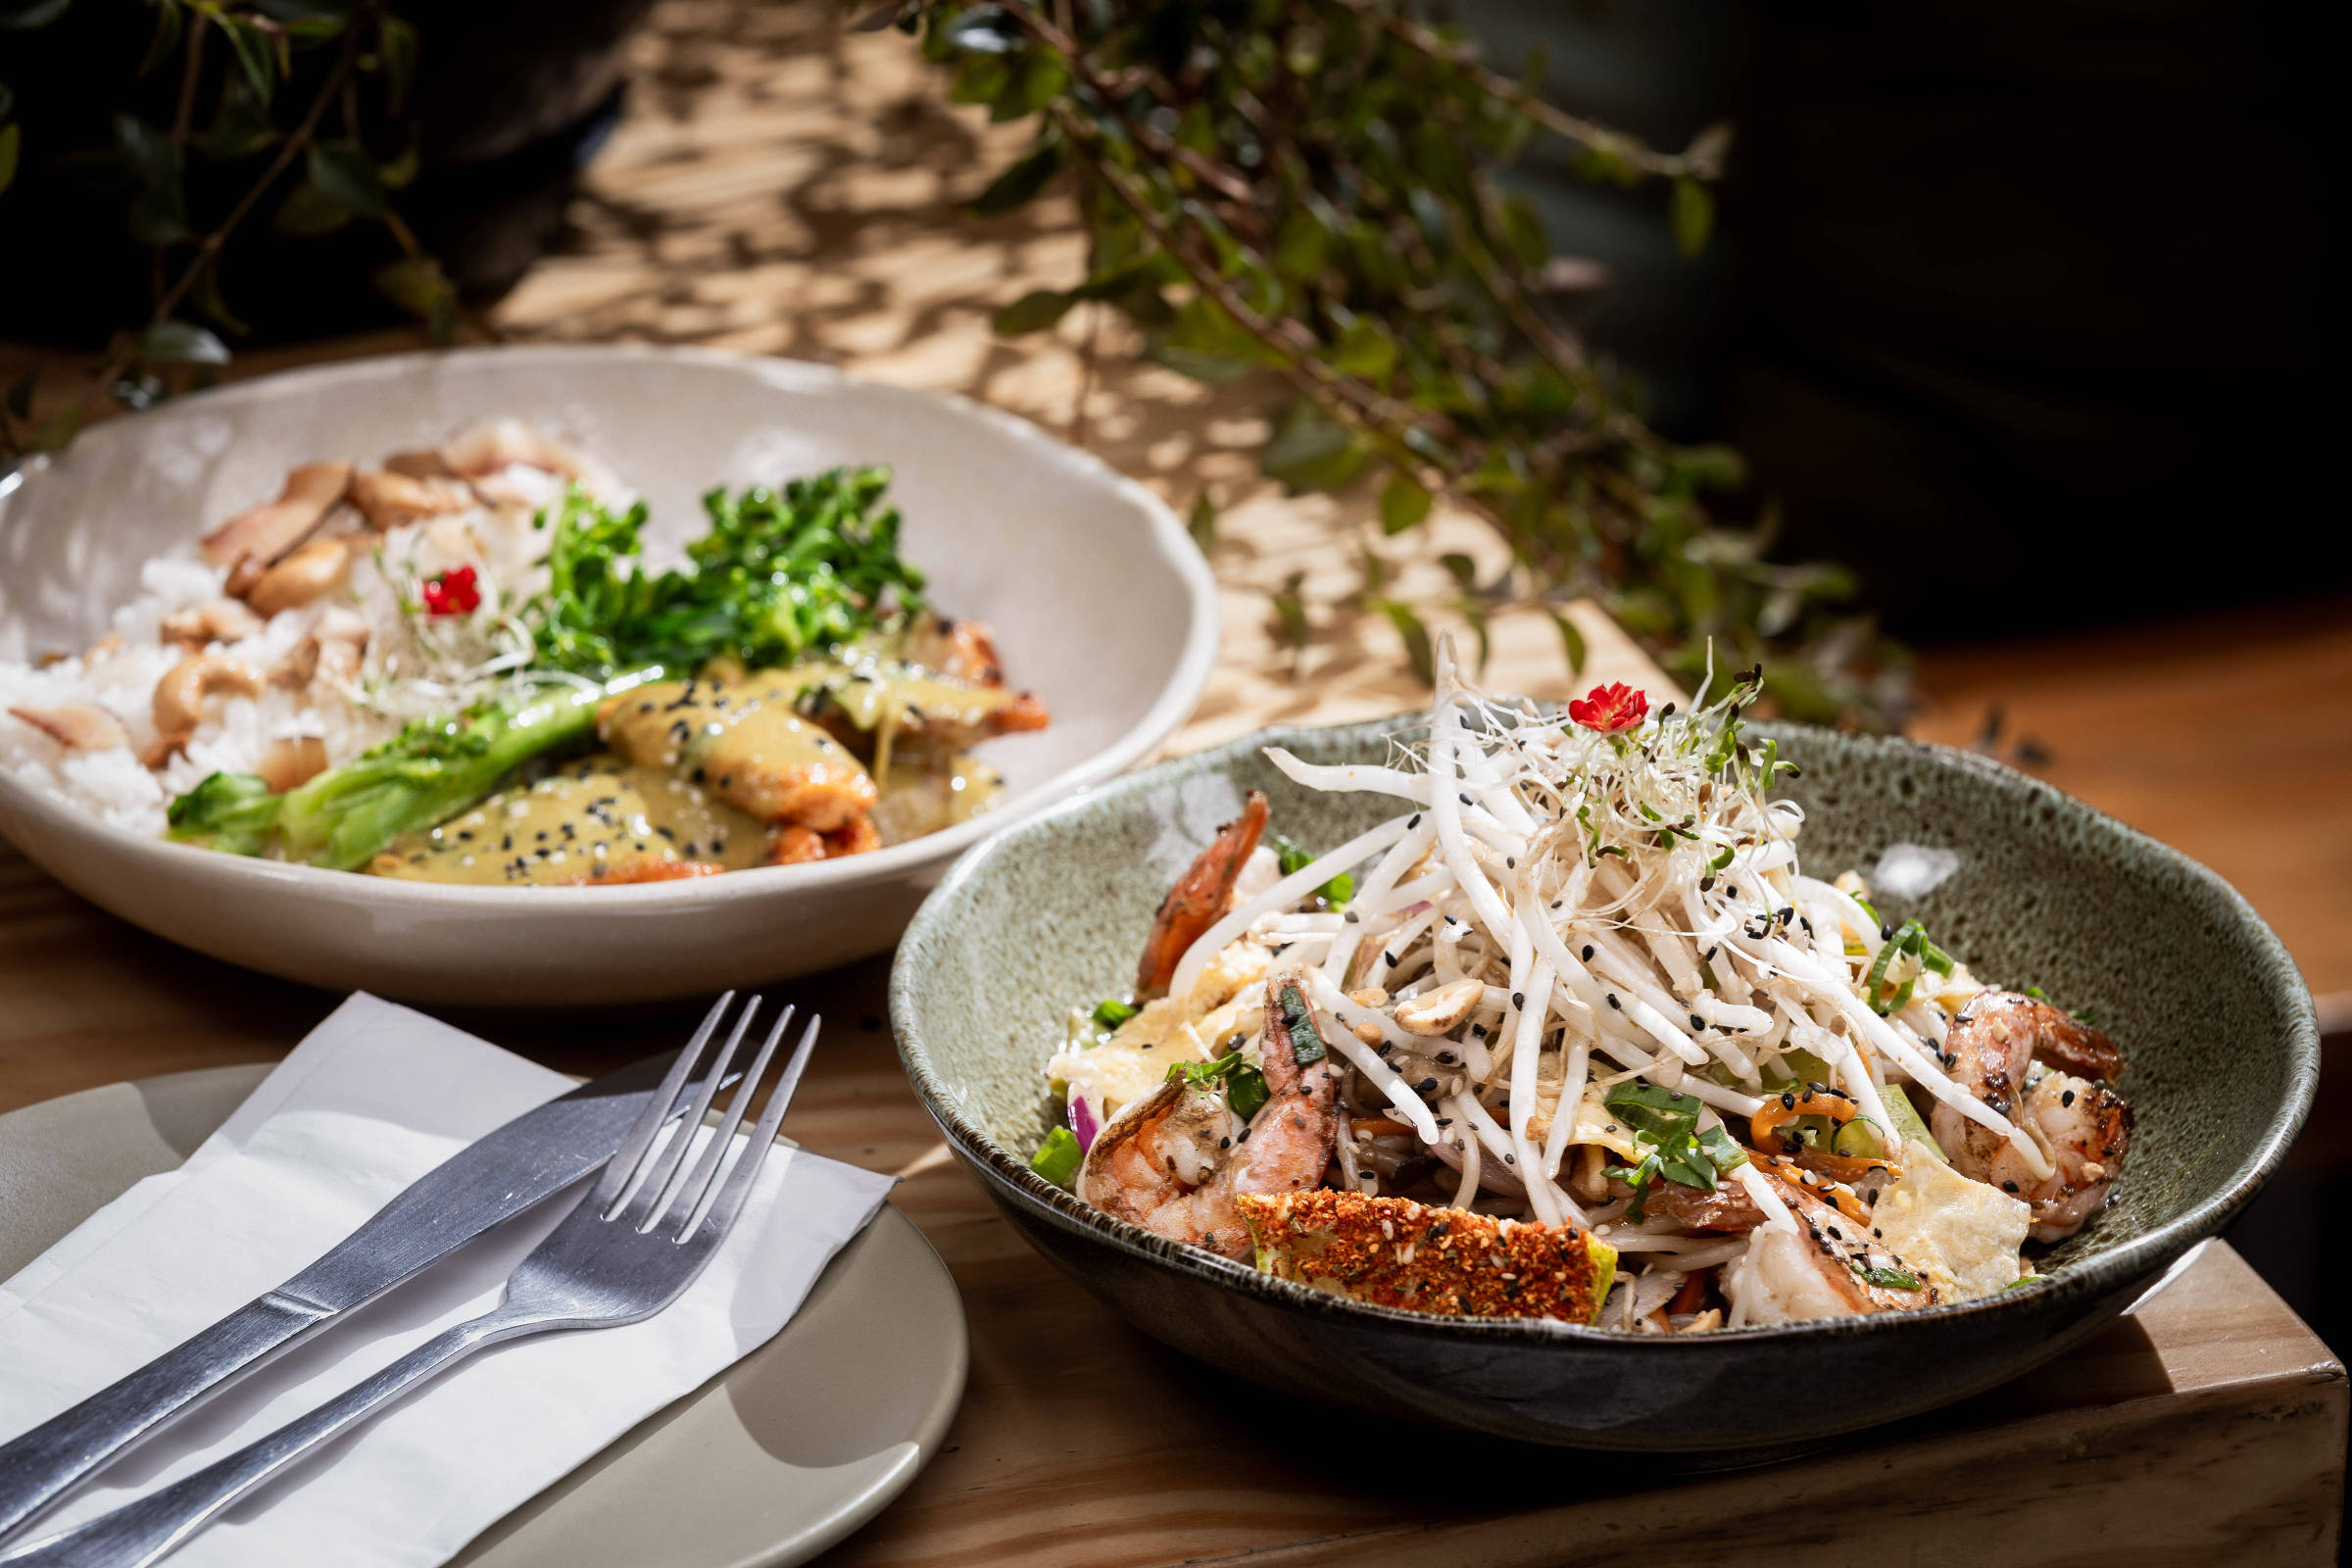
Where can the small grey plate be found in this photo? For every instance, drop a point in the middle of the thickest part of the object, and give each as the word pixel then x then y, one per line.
pixel 778 1457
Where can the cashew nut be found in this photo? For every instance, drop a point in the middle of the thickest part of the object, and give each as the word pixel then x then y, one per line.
pixel 1439 1011
pixel 267 532
pixel 76 726
pixel 388 500
pixel 223 620
pixel 333 650
pixel 292 760
pixel 179 696
pixel 313 569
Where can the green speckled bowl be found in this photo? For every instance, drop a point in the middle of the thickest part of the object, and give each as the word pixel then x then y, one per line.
pixel 2215 1021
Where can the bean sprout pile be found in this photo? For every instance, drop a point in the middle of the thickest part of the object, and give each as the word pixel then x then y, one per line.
pixel 1584 983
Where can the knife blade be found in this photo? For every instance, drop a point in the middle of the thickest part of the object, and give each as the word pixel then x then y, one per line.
pixel 493 1179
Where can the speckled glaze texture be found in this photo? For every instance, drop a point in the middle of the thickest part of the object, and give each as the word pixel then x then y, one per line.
pixel 2217 1025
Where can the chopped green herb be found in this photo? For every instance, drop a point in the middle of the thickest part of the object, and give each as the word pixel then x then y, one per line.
pixel 1113 1013
pixel 1666 1122
pixel 1299 1022
pixel 1889 1279
pixel 1058 1159
pixel 1245 1086
pixel 1292 858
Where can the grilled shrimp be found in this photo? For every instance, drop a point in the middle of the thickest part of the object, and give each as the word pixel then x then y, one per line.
pixel 1174 1162
pixel 1828 1269
pixel 2034 1064
pixel 1198 898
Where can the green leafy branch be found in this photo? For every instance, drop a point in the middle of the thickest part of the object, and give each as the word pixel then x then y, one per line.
pixel 1309 190
pixel 323 174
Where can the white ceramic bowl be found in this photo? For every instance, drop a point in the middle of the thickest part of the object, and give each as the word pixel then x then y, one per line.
pixel 1099 601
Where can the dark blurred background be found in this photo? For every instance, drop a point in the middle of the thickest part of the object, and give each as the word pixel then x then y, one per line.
pixel 2023 309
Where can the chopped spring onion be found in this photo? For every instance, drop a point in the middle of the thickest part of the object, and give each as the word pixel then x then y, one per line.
pixel 1058 1159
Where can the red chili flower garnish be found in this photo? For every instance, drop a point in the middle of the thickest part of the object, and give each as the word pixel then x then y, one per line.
pixel 1609 709
pixel 453 592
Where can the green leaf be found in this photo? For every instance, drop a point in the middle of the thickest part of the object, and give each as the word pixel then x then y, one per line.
pixel 1302 246
pixel 205 291
pixel 418 283
pixel 11 138
pixel 345 173
pixel 1032 312
pixel 309 212
pixel 1693 215
pixel 1018 185
pixel 1111 1012
pixel 1417 645
pixel 181 343
pixel 1461 568
pixel 1366 349
pixel 240 126
pixel 1035 81
pixel 255 56
pixel 1291 625
pixel 1571 641
pixel 1308 452
pixel 1203 525
pixel 171 25
pixel 396 51
pixel 1402 505
pixel 1059 1157
pixel 1523 229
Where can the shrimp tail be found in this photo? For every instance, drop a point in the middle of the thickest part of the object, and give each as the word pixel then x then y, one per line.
pixel 1198 898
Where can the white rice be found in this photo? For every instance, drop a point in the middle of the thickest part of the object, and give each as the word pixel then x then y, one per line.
pixel 410 669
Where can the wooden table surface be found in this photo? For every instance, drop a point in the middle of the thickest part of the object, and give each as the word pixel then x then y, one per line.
pixel 778 188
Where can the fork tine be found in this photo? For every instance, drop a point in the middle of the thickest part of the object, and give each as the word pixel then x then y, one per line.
pixel 625 1159
pixel 722 1206
pixel 647 1186
pixel 698 1181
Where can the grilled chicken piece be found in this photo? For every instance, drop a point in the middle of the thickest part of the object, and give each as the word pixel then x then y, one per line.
pixel 1393 1251
pixel 744 745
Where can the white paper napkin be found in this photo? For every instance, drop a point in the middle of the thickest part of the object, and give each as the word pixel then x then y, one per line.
pixel 376 1097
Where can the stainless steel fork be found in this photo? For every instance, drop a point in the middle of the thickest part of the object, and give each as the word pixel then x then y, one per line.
pixel 626 1251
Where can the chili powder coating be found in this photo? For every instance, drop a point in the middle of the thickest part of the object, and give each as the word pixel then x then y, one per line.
pixel 1393 1251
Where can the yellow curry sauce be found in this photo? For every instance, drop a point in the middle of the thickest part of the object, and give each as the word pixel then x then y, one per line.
pixel 579 824
pixel 706 769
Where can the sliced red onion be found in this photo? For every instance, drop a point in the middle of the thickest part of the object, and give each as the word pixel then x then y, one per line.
pixel 1083 1122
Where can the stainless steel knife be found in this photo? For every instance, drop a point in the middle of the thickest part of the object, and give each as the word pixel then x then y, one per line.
pixel 493 1179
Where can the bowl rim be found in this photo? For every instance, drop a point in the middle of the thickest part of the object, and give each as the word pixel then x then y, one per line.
pixel 1181 689
pixel 2141 1257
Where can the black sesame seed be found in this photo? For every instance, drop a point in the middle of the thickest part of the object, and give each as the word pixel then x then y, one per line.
pixel 1614 1002
pixel 1588 953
